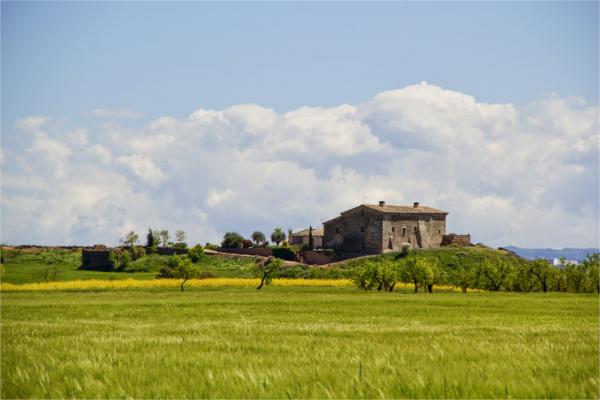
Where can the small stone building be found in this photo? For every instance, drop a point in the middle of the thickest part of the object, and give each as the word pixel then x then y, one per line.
pixel 301 237
pixel 380 228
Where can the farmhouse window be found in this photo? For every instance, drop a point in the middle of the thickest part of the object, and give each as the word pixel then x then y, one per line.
pixel 393 229
pixel 362 228
pixel 415 229
pixel 403 230
pixel 337 229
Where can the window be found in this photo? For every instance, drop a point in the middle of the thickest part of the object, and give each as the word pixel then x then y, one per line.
pixel 362 212
pixel 362 228
pixel 337 229
pixel 439 231
pixel 403 230
pixel 415 229
pixel 393 229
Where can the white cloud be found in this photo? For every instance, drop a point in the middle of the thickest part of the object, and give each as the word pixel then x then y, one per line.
pixel 525 175
pixel 116 113
pixel 143 168
pixel 31 124
pixel 215 197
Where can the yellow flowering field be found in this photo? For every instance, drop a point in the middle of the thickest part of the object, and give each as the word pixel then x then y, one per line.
pixel 175 283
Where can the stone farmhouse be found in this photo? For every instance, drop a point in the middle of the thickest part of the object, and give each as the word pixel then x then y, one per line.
pixel 379 228
pixel 302 237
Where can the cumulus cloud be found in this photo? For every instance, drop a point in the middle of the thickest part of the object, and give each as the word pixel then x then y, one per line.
pixel 508 174
pixel 116 113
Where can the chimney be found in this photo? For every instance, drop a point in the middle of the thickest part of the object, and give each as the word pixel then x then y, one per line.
pixel 416 204
pixel 381 203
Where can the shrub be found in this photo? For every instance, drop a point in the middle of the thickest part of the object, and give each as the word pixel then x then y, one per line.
pixel 285 253
pixel 211 246
pixel 247 243
pixel 195 253
pixel 232 240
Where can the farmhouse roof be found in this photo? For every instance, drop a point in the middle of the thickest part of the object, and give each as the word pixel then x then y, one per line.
pixel 394 209
pixel 304 232
pixel 419 209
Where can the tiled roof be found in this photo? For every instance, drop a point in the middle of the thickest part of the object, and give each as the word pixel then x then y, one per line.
pixel 404 209
pixel 304 232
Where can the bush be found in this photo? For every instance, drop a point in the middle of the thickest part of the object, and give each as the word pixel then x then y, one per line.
pixel 247 243
pixel 181 245
pixel 167 273
pixel 195 253
pixel 285 253
pixel 232 240
pixel 210 246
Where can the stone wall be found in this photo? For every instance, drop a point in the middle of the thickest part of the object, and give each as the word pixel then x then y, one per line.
pixel 459 240
pixel 259 251
pixel 356 230
pixel 382 232
pixel 314 257
pixel 96 259
pixel 169 251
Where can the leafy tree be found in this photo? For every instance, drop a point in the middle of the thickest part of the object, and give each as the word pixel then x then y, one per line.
pixel 164 237
pixel 523 279
pixel 365 277
pixel 592 266
pixel 463 276
pixel 411 271
pixel 195 253
pixel 278 236
pixel 151 240
pixel 543 272
pixel 268 267
pixel 431 272
pixel 492 273
pixel 184 269
pixel 258 237
pixel 180 236
pixel 232 240
pixel 129 240
pixel 574 273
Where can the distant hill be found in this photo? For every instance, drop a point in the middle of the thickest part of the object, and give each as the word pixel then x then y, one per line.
pixel 568 253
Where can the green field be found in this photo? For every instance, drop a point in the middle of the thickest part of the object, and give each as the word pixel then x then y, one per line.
pixel 298 342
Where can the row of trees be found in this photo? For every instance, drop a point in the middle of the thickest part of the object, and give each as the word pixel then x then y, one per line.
pixel 491 274
pixel 232 240
pixel 155 238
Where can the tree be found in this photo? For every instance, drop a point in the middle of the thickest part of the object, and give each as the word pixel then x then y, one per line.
pixel 164 237
pixel 411 271
pixel 185 269
pixel 278 236
pixel 258 237
pixel 267 267
pixel 129 240
pixel 311 240
pixel 463 276
pixel 542 271
pixel 232 240
pixel 431 271
pixel 492 273
pixel 151 240
pixel 592 266
pixel 180 236
pixel 195 253
pixel 574 273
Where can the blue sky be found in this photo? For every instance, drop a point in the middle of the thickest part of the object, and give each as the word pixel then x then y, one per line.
pixel 102 75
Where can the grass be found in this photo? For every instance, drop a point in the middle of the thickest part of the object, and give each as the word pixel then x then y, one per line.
pixel 297 342
pixel 29 267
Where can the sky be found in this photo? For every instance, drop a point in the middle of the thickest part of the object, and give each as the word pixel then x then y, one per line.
pixel 216 117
